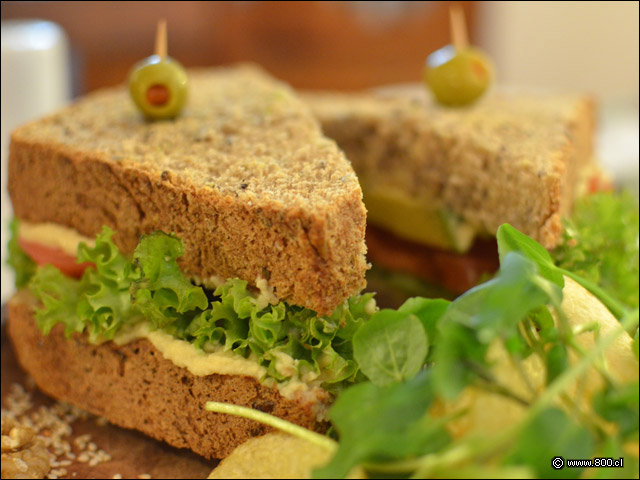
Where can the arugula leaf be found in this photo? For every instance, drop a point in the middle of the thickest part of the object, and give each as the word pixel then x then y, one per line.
pixel 383 423
pixel 21 263
pixel 556 362
pixel 390 347
pixel 620 405
pixel 429 311
pixel 512 240
pixel 550 434
pixel 487 312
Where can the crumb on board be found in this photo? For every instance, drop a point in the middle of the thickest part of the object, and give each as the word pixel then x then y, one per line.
pixel 37 441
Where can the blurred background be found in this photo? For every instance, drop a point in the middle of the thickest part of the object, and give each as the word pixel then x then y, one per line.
pixel 579 46
pixel 349 45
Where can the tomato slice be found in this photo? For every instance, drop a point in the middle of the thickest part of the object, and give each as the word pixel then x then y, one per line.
pixel 597 183
pixel 43 255
pixel 456 272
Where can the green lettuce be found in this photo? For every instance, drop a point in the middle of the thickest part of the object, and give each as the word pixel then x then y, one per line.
pixel 120 291
pixel 600 244
pixel 21 263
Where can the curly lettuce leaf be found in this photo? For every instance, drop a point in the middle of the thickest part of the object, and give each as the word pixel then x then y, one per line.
pixel 318 345
pixel 290 341
pixel 162 293
pixel 99 303
pixel 62 298
pixel 21 263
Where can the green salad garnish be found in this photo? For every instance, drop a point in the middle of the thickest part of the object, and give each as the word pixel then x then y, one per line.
pixel 600 244
pixel 122 291
pixel 386 424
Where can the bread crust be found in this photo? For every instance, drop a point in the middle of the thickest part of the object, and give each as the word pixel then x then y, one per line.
pixel 244 176
pixel 133 386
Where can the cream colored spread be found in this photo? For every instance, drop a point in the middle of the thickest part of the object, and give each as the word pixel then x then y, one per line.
pixel 211 282
pixel 263 297
pixel 217 360
pixel 266 295
pixel 185 355
pixel 54 236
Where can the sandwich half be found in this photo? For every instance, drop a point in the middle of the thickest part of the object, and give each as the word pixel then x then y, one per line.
pixel 216 256
pixel 439 181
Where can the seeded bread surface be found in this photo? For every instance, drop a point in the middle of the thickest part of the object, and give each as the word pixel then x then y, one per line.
pixel 244 176
pixel 510 157
pixel 133 386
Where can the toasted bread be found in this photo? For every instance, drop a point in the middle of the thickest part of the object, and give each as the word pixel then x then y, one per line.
pixel 244 176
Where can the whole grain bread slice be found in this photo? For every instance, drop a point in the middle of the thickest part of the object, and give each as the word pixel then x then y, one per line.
pixel 133 386
pixel 244 176
pixel 511 157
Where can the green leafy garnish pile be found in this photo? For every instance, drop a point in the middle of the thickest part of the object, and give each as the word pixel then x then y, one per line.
pixel 600 244
pixel 387 424
pixel 431 352
pixel 122 291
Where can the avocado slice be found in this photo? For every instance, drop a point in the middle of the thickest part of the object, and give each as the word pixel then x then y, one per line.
pixel 397 212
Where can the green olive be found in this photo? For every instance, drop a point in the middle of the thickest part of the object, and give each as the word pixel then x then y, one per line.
pixel 458 77
pixel 158 86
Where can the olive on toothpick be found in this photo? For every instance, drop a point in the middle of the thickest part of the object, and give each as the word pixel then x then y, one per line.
pixel 158 84
pixel 458 74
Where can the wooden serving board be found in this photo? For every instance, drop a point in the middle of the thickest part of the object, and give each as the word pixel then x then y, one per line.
pixel 132 453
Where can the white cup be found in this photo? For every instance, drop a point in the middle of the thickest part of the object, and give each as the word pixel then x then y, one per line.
pixel 35 81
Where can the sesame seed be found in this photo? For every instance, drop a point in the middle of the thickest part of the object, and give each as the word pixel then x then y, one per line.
pixel 51 430
pixel 20 464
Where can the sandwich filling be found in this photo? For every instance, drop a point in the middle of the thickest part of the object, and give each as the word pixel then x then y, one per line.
pixel 233 329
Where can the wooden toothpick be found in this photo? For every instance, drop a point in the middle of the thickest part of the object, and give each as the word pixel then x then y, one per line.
pixel 458 27
pixel 161 39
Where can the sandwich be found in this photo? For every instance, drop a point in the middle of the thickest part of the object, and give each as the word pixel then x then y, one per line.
pixel 439 181
pixel 161 265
